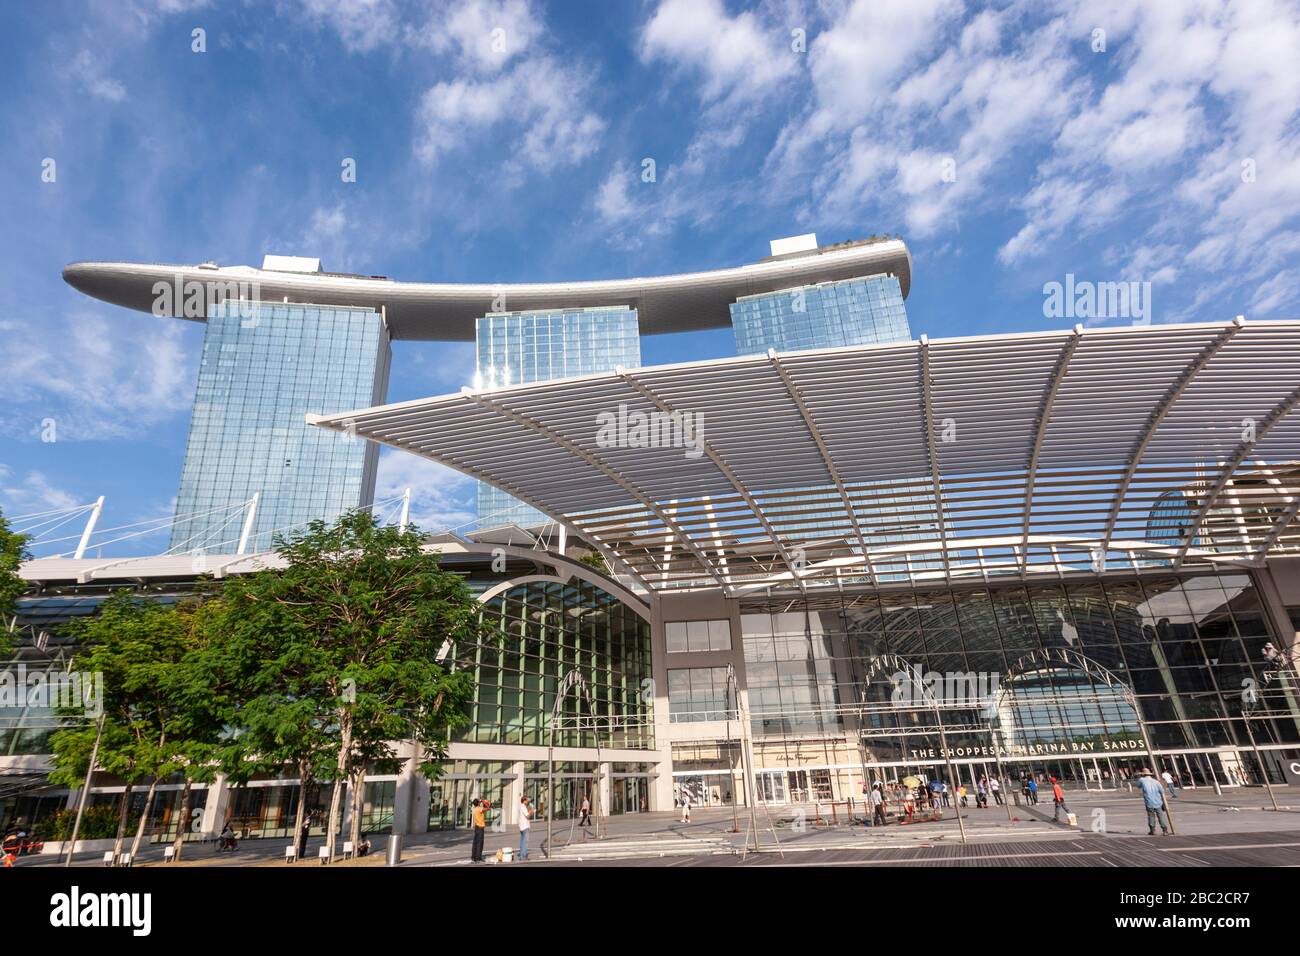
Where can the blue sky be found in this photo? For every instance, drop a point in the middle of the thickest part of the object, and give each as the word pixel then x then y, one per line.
pixel 1008 143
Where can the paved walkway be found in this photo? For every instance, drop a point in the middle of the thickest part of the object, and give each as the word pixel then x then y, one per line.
pixel 1111 824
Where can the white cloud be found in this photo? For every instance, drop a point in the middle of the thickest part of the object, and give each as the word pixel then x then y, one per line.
pixel 33 493
pixel 914 130
pixel 614 202
pixel 870 48
pixel 484 36
pixel 89 72
pixel 739 57
pixel 361 25
pixel 540 104
pixel 1275 293
pixel 94 377
pixel 1201 92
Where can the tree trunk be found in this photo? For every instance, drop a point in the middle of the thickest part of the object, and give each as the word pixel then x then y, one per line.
pixel 121 822
pixel 183 824
pixel 304 783
pixel 358 805
pixel 343 766
pixel 144 818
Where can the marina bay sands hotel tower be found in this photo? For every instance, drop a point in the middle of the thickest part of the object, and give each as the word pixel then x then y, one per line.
pixel 290 339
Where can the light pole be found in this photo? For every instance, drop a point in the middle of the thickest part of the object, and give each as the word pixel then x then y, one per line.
pixel 734 690
pixel 1248 700
pixel 997 757
pixel 85 789
pixel 570 680
pixel 952 779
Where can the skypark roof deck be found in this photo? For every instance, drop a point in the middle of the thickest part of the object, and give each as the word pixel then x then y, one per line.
pixel 446 311
pixel 943 460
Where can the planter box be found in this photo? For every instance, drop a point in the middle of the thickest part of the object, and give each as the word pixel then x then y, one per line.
pixel 55 847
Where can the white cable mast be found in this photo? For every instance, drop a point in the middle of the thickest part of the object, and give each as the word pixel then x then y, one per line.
pixel 90 528
pixel 248 524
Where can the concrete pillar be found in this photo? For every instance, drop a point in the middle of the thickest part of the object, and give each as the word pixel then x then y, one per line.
pixel 1285 633
pixel 346 816
pixel 606 791
pixel 406 795
pixel 514 790
pixel 1275 610
pixel 216 807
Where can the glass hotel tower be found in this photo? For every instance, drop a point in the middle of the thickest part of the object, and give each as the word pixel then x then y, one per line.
pixel 267 364
pixel 264 366
pixel 517 348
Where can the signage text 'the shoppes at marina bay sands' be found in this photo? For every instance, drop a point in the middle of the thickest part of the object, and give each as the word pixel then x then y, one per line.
pixel 1106 746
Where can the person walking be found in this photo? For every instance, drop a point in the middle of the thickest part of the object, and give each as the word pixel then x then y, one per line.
pixel 586 814
pixel 1153 797
pixel 686 805
pixel 525 824
pixel 1170 784
pixel 877 806
pixel 1058 801
pixel 995 787
pixel 479 818
pixel 1033 791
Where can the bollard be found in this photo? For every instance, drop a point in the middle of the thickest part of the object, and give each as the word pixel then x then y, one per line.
pixel 394 855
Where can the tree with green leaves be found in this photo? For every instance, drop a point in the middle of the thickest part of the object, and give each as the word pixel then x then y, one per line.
pixel 595 560
pixel 13 552
pixel 356 622
pixel 266 680
pixel 152 728
pixel 202 710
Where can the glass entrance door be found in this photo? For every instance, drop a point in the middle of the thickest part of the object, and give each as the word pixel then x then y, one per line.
pixel 770 785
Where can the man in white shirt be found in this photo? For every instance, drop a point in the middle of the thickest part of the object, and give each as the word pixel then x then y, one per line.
pixel 525 824
pixel 877 806
pixel 1167 777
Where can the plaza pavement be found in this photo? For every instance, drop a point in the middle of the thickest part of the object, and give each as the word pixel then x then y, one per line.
pixel 1237 827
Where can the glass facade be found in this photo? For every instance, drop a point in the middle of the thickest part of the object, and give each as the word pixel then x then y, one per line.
pixel 264 366
pixel 682 637
pixel 1170 522
pixel 1063 677
pixel 515 348
pixel 547 630
pixel 698 693
pixel 860 311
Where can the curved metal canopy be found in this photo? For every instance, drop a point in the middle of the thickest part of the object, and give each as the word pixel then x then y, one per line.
pixel 889 464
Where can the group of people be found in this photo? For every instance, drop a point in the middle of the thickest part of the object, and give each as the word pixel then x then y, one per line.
pixel 481 812
pixel 1156 792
